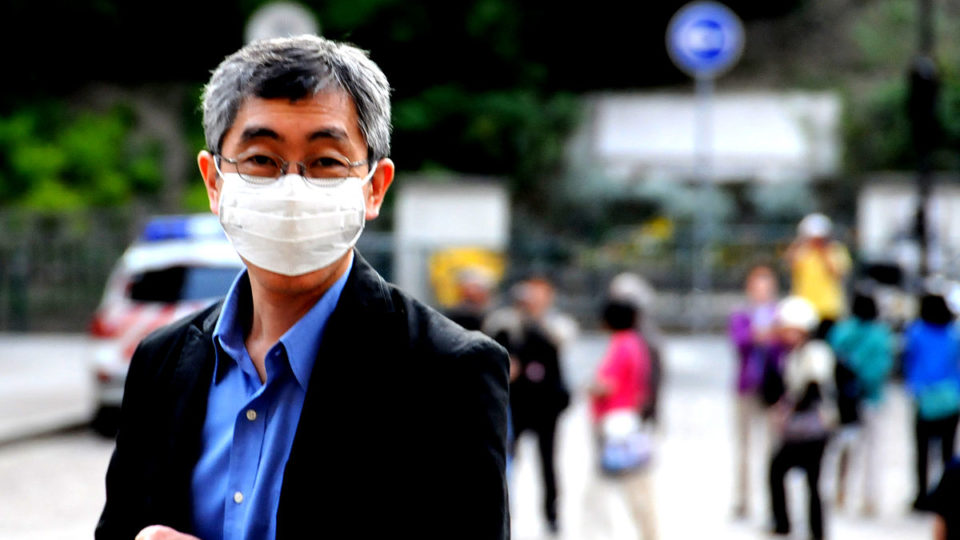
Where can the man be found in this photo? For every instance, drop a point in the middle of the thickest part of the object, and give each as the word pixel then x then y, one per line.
pixel 535 335
pixel 818 268
pixel 475 285
pixel 316 399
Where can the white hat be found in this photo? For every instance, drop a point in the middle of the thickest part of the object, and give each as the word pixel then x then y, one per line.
pixel 815 226
pixel 476 276
pixel 797 312
pixel 632 288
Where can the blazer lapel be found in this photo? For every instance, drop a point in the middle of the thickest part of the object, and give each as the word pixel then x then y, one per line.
pixel 357 329
pixel 187 400
pixel 354 343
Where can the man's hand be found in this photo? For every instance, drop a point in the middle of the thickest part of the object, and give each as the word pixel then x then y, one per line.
pixel 161 532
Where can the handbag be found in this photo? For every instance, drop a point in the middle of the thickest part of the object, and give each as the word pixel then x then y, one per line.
pixel 625 447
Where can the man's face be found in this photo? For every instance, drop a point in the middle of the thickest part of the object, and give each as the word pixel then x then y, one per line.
pixel 538 297
pixel 295 130
pixel 818 241
pixel 791 337
pixel 761 287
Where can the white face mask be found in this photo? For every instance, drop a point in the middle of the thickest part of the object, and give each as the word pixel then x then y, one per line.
pixel 290 226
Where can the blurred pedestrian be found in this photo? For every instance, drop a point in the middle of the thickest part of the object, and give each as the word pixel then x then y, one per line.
pixel 617 393
pixel 505 325
pixel 753 334
pixel 636 290
pixel 805 415
pixel 932 371
pixel 863 346
pixel 943 503
pixel 316 396
pixel 475 286
pixel 818 267
pixel 535 333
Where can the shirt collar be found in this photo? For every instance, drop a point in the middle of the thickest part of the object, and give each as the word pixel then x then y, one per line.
pixel 300 343
pixel 302 340
pixel 231 324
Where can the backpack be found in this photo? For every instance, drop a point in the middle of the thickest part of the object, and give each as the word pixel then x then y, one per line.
pixel 938 400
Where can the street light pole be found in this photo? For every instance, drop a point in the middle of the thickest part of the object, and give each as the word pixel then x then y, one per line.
pixel 922 104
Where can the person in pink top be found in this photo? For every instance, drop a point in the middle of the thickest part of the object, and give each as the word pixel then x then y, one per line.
pixel 619 390
pixel 622 381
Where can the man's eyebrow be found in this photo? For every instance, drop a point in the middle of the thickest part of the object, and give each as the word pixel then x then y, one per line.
pixel 259 132
pixel 328 133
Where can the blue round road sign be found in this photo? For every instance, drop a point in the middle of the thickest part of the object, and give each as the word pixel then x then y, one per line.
pixel 705 39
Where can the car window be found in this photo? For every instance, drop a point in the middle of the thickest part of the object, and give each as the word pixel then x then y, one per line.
pixel 178 283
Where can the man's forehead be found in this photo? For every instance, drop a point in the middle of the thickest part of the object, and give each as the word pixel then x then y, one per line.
pixel 326 115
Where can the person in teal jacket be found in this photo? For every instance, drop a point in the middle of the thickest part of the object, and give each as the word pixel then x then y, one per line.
pixel 864 347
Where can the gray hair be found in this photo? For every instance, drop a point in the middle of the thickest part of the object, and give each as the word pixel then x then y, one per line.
pixel 294 68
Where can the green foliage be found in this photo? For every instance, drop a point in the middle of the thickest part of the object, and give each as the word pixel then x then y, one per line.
pixel 877 127
pixel 484 87
pixel 57 159
pixel 195 193
pixel 878 130
pixel 516 133
pixel 949 112
pixel 873 30
pixel 195 198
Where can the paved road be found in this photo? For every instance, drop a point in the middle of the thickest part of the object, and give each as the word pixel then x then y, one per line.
pixel 45 384
pixel 53 485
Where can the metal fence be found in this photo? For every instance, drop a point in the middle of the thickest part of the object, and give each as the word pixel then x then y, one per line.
pixel 670 267
pixel 53 268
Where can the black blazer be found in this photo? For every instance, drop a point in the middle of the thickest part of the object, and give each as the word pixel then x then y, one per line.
pixel 402 432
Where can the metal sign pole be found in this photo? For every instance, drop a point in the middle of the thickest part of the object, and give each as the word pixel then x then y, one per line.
pixel 704 39
pixel 703 219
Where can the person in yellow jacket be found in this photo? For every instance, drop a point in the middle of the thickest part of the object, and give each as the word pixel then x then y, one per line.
pixel 818 267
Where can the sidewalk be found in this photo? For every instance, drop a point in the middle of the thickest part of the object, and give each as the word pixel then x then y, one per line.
pixel 46 384
pixel 693 474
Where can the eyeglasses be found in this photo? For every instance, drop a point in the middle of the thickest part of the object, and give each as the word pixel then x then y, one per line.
pixel 265 168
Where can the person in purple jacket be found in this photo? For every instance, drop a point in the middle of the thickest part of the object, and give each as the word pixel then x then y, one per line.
pixel 753 335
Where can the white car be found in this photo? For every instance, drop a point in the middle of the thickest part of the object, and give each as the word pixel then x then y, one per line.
pixel 178 265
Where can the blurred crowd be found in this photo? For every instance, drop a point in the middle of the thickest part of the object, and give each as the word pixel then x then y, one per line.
pixel 623 395
pixel 813 365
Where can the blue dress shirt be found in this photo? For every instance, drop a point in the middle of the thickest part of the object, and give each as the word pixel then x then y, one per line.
pixel 249 427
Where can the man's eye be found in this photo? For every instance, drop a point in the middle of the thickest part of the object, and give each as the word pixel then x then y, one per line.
pixel 326 162
pixel 260 160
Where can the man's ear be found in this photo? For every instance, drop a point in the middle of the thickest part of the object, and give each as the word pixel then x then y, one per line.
pixel 211 179
pixel 382 178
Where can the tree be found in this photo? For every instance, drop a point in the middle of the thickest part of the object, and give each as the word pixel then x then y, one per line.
pixel 482 86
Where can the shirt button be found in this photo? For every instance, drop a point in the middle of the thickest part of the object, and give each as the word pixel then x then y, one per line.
pixel 251 415
pixel 238 497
